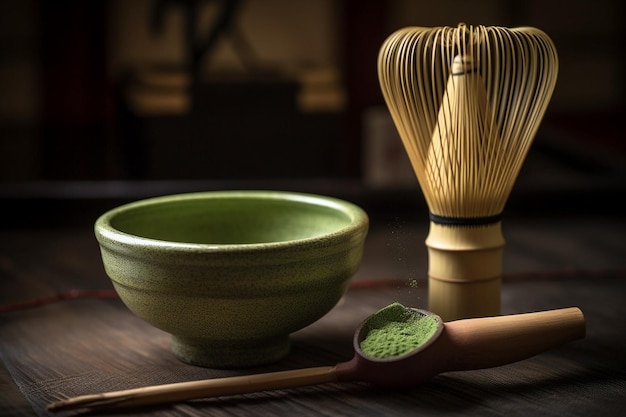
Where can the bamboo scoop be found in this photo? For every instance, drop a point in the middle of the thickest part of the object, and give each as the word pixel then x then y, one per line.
pixel 455 346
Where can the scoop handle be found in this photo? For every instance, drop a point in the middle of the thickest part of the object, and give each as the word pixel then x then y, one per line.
pixel 183 391
pixel 494 341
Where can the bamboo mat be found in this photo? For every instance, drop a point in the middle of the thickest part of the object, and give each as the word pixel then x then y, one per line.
pixel 82 346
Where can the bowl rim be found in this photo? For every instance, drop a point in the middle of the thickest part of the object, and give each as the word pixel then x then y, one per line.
pixel 105 232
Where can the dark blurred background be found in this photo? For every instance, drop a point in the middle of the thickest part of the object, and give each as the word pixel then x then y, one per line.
pixel 125 99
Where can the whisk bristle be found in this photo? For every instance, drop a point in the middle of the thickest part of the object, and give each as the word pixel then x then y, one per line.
pixel 467 103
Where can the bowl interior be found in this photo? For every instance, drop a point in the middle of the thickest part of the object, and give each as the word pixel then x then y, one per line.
pixel 232 218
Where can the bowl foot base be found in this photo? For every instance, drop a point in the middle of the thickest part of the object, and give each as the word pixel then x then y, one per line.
pixel 230 354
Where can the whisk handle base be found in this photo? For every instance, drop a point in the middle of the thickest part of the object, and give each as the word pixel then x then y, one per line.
pixel 464 269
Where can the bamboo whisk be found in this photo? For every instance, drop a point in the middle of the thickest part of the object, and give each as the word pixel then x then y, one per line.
pixel 467 103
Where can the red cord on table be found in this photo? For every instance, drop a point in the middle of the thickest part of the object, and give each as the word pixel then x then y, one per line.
pixel 110 294
pixel 66 295
pixel 357 284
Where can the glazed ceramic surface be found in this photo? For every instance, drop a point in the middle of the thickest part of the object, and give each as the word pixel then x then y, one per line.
pixel 231 274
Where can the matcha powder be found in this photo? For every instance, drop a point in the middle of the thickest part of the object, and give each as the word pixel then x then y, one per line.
pixel 396 330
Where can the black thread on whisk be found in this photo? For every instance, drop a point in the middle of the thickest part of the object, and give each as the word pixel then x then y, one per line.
pixel 464 221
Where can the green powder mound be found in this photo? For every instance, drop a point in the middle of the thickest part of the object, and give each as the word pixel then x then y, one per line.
pixel 396 330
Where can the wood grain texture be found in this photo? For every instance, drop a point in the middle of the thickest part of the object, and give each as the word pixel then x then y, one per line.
pixel 87 346
pixel 84 346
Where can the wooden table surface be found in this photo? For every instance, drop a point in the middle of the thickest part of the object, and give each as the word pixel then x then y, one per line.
pixel 94 344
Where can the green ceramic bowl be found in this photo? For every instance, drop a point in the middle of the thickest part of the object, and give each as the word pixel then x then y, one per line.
pixel 231 274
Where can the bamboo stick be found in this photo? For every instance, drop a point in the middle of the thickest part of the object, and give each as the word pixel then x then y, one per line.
pixel 183 391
